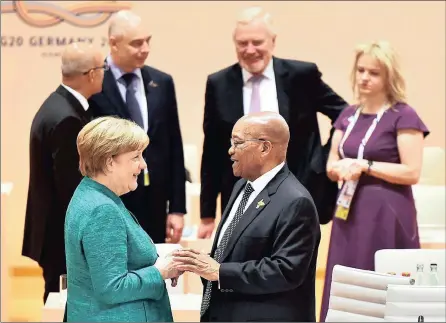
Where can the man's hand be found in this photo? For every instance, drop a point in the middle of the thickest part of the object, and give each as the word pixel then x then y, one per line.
pixel 174 227
pixel 206 228
pixel 197 262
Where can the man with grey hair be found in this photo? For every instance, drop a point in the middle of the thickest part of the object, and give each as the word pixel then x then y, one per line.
pixel 54 161
pixel 146 95
pixel 263 82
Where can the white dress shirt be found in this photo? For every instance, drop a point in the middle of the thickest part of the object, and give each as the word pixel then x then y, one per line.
pixel 82 100
pixel 258 185
pixel 139 89
pixel 267 89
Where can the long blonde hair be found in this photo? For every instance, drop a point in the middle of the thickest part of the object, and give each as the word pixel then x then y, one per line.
pixel 384 53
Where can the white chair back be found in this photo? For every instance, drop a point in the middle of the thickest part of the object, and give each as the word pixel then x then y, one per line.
pixel 359 295
pixel 406 260
pixel 433 170
pixel 430 196
pixel 430 201
pixel 341 316
pixel 407 303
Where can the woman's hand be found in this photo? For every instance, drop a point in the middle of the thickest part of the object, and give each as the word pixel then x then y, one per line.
pixel 332 173
pixel 353 172
pixel 168 270
pixel 339 169
pixel 348 168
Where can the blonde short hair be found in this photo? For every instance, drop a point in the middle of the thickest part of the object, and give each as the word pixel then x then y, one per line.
pixel 106 137
pixel 384 53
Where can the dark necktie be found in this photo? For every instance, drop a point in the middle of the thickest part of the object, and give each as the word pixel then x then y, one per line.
pixel 131 100
pixel 223 243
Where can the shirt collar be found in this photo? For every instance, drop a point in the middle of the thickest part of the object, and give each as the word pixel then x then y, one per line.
pixel 260 183
pixel 117 72
pixel 268 72
pixel 82 100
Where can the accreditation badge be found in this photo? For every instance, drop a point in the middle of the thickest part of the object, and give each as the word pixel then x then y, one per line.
pixel 146 177
pixel 344 200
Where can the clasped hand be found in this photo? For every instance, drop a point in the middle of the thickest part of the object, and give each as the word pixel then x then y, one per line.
pixel 196 262
pixel 346 169
pixel 179 261
pixel 168 269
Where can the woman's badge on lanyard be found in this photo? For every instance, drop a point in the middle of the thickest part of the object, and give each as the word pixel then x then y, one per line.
pixel 348 189
pixel 345 199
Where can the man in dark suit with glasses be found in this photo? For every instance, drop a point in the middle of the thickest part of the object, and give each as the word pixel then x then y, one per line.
pixel 54 161
pixel 262 265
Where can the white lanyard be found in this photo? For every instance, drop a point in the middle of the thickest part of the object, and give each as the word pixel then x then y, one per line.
pixel 367 134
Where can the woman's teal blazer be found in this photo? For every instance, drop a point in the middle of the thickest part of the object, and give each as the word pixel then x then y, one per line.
pixel 110 262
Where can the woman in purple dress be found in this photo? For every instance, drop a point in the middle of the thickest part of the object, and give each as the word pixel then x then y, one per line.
pixel 377 151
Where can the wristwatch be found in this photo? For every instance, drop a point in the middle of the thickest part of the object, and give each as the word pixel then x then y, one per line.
pixel 370 163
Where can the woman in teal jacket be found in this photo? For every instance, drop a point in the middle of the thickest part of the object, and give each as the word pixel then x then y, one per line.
pixel 112 268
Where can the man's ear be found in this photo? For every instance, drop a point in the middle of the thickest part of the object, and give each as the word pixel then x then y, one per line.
pixel 273 40
pixel 91 76
pixel 112 42
pixel 267 146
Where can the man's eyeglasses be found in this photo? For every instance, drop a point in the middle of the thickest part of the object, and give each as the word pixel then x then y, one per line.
pixel 235 143
pixel 105 67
